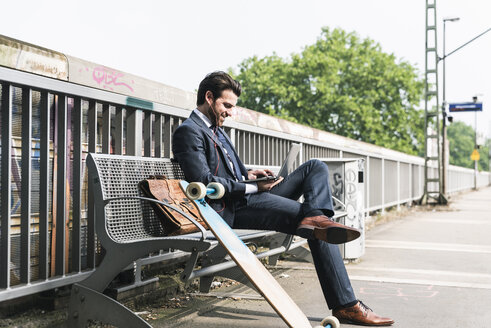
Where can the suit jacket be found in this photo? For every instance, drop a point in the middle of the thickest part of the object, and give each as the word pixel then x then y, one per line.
pixel 202 158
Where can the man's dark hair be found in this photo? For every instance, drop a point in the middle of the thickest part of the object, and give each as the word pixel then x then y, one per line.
pixel 216 82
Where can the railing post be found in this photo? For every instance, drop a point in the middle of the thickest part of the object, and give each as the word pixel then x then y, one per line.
pixel 44 185
pixel 106 129
pixel 147 133
pixel 92 113
pixel 300 154
pixel 61 204
pixel 158 135
pixel 6 185
pixel 232 137
pixel 398 185
pixel 25 234
pixel 167 135
pixel 134 132
pixel 77 184
pixel 247 148
pixel 118 131
pixel 410 181
pixel 383 185
pixel 367 186
pixel 421 181
pixel 257 149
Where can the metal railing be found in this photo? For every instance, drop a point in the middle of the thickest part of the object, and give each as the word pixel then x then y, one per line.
pixel 47 125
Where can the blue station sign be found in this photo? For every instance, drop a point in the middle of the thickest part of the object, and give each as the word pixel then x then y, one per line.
pixel 466 107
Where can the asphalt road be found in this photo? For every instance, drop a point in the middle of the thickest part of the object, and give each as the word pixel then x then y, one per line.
pixel 430 268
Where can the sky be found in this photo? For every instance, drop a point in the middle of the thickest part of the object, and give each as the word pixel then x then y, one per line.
pixel 179 42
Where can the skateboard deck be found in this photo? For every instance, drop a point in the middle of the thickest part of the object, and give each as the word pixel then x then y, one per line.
pixel 259 276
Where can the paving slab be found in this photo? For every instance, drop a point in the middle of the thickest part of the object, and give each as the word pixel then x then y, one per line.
pixel 430 268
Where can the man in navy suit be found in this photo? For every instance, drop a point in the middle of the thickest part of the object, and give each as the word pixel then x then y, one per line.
pixel 206 154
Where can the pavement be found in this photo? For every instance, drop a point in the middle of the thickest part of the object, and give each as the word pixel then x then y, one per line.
pixel 430 267
pixel 423 267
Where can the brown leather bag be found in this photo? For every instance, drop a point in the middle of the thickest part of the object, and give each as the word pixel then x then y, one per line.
pixel 169 191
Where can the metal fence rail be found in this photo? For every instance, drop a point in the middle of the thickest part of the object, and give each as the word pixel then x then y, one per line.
pixel 47 125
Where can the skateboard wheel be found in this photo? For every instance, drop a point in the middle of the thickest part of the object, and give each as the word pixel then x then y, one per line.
pixel 219 190
pixel 196 190
pixel 330 322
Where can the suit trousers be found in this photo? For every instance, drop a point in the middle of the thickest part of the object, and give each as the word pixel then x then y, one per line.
pixel 279 210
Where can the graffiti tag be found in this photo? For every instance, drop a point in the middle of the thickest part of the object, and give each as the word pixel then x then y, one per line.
pixel 108 78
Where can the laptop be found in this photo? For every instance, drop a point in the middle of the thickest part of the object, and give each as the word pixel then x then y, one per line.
pixel 289 159
pixel 287 162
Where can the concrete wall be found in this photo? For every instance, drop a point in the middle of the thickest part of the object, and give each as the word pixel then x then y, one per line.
pixel 30 58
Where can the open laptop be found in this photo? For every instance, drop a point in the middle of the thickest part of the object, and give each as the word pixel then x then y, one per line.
pixel 289 159
pixel 287 163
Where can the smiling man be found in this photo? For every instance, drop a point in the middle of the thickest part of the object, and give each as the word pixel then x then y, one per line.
pixel 206 154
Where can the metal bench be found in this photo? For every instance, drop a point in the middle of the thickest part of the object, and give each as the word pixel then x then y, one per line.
pixel 128 230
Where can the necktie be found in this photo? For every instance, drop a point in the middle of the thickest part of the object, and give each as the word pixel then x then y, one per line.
pixel 229 151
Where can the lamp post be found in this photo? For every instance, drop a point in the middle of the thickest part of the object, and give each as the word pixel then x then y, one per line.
pixel 444 112
pixel 444 104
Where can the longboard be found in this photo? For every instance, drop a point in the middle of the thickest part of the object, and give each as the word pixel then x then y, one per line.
pixel 259 276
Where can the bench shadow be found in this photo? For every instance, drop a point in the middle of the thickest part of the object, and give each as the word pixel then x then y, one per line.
pixel 225 312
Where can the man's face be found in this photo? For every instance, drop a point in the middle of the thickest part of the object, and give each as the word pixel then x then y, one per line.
pixel 223 106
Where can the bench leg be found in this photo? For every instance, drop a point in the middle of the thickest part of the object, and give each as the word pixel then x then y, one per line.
pixel 214 256
pixel 205 284
pixel 87 304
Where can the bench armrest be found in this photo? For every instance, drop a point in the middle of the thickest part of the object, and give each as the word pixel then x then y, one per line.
pixel 200 227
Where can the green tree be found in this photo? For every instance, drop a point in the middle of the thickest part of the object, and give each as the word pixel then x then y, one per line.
pixel 461 144
pixel 341 84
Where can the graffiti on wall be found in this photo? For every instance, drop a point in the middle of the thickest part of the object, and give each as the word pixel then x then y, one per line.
pixel 353 197
pixel 109 79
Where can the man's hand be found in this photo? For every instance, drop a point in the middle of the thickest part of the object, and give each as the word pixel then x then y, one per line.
pixel 254 174
pixel 268 185
pixel 263 185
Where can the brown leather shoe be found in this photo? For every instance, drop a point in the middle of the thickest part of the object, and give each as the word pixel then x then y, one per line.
pixel 323 228
pixel 360 314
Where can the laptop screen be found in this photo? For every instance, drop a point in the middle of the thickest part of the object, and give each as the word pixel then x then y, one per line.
pixel 289 159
